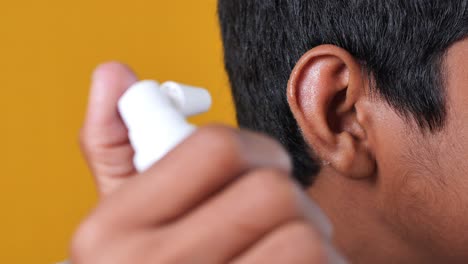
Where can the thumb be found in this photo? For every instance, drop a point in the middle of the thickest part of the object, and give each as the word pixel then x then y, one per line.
pixel 104 137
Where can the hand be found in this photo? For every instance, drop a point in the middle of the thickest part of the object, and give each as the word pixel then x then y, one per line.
pixel 221 196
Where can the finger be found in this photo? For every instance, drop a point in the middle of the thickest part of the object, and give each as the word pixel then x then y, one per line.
pixel 194 171
pixel 295 242
pixel 103 138
pixel 236 218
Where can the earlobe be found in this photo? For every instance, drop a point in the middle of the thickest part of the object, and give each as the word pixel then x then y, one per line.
pixel 324 91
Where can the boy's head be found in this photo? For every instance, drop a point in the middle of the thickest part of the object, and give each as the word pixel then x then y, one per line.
pixel 370 99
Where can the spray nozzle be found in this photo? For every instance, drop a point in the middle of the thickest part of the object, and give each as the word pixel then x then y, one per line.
pixel 188 100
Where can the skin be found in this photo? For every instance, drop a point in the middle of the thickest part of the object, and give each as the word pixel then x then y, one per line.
pixel 392 193
pixel 235 203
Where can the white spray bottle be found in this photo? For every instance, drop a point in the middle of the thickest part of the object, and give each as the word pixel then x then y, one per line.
pixel 155 117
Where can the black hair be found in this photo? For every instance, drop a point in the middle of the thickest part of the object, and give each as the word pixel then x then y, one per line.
pixel 401 44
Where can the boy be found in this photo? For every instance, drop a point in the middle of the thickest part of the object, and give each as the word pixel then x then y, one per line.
pixel 368 98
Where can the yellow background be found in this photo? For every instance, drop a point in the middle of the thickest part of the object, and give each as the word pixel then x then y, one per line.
pixel 48 51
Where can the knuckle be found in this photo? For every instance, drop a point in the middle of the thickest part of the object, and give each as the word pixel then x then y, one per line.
pixel 270 201
pixel 275 189
pixel 86 240
pixel 82 138
pixel 219 136
pixel 85 141
pixel 220 141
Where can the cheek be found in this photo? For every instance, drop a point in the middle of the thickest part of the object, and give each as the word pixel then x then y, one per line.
pixel 405 194
pixel 423 193
pixel 422 185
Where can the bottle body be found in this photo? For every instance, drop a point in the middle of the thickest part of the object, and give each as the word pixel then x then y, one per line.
pixel 156 120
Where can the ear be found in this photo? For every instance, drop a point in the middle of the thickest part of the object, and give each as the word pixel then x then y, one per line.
pixel 324 90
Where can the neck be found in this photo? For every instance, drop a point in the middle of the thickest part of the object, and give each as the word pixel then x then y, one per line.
pixel 360 232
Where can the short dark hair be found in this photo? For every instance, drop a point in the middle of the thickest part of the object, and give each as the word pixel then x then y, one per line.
pixel 401 44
